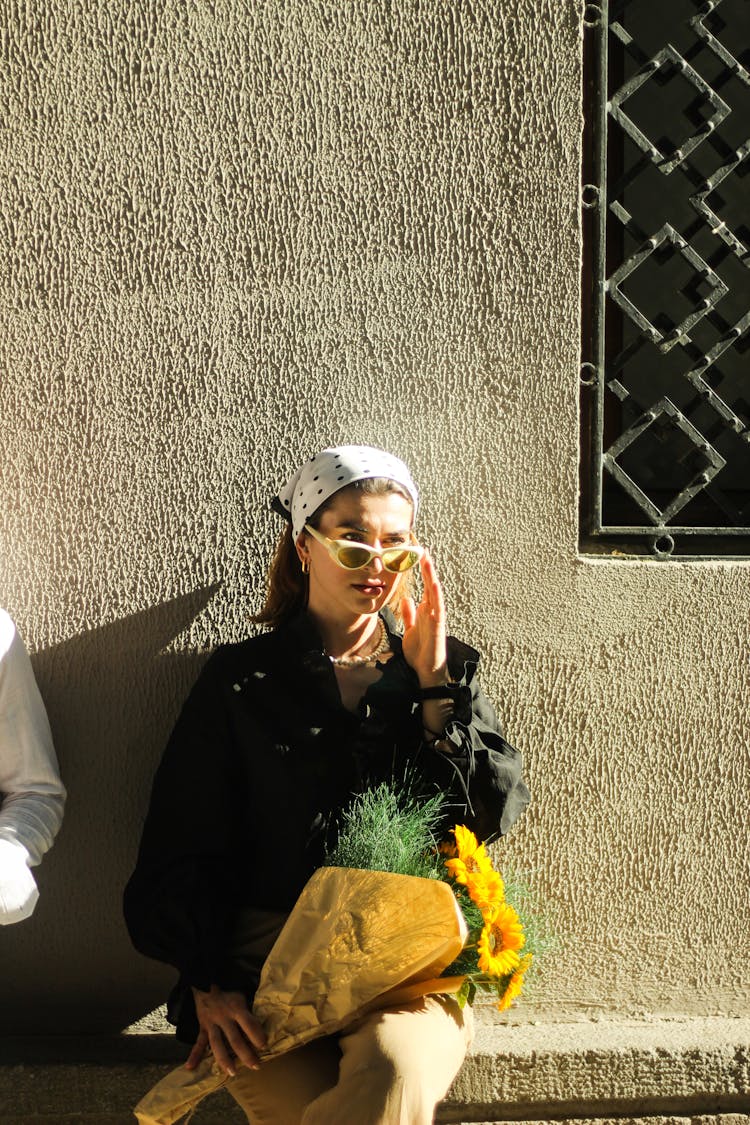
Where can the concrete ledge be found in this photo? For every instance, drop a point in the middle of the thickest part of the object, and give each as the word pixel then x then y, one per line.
pixel 667 1071
pixel 555 1071
pixel 80 1080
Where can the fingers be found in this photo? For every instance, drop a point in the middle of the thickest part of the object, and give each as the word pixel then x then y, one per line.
pixel 229 1028
pixel 433 590
pixel 437 593
pixel 232 1034
pixel 408 612
pixel 229 1047
pixel 198 1051
pixel 243 1034
pixel 253 1030
pixel 221 1053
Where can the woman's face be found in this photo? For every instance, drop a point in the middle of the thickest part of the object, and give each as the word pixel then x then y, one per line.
pixel 378 521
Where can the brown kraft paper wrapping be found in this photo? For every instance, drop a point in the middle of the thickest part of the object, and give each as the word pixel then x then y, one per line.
pixel 352 937
pixel 355 941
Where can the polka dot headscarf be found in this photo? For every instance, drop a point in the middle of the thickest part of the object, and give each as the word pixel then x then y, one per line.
pixel 332 469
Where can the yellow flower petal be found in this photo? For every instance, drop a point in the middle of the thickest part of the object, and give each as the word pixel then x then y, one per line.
pixel 466 841
pixel 469 856
pixel 500 941
pixel 457 869
pixel 515 984
pixel 486 889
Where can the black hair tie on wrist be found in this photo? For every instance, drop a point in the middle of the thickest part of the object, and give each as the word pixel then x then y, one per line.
pixel 459 694
pixel 440 691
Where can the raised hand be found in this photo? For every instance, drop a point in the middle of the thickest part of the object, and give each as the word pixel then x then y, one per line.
pixel 424 629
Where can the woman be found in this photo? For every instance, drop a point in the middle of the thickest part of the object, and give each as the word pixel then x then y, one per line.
pixel 277 735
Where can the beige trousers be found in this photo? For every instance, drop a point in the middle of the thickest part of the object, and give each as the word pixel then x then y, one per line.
pixel 390 1068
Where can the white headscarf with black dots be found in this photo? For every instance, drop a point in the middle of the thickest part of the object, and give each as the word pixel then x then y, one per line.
pixel 332 469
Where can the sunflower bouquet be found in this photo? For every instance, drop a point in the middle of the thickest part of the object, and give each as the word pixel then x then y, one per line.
pixel 491 959
pixel 392 916
pixel 386 829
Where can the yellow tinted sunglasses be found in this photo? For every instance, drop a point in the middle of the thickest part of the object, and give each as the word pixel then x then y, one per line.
pixel 354 556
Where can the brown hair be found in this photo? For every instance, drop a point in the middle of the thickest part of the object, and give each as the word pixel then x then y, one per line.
pixel 287 586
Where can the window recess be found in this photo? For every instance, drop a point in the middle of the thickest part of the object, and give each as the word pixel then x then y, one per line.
pixel 665 372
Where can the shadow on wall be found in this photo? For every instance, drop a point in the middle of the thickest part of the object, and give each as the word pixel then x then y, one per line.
pixel 112 699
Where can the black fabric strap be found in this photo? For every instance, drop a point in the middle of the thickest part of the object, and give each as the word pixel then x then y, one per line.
pixel 440 691
pixel 459 694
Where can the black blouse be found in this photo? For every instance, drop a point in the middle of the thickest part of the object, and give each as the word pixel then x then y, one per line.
pixel 263 758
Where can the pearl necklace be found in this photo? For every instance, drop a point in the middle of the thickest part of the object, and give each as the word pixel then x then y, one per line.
pixel 356 661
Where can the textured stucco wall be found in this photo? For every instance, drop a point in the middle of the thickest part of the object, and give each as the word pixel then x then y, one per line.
pixel 234 232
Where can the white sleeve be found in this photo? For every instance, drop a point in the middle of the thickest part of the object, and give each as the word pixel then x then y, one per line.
pixel 18 890
pixel 32 794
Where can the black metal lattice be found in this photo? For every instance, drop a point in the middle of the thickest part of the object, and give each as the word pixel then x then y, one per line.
pixel 666 363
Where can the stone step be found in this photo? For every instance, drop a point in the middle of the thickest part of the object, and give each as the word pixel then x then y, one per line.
pixel 658 1072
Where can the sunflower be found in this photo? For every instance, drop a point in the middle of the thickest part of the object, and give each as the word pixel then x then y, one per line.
pixel 515 984
pixel 466 841
pixel 500 941
pixel 471 856
pixel 486 889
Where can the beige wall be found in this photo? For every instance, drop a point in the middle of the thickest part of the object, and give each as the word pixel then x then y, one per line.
pixel 239 231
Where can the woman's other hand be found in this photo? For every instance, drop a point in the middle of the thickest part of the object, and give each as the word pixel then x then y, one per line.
pixel 229 1028
pixel 424 630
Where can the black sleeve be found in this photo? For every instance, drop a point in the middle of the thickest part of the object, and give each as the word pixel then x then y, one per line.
pixel 478 770
pixel 177 903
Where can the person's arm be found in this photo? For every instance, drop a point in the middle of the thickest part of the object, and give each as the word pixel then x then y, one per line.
pixel 472 761
pixel 33 796
pixel 179 896
pixel 467 754
pixel 182 895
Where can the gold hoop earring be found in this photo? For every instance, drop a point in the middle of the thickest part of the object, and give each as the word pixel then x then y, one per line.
pixel 305 566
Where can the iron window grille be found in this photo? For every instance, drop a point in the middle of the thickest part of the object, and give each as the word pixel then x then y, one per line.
pixel 665 367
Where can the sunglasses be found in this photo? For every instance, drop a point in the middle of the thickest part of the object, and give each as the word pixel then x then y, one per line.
pixel 354 556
